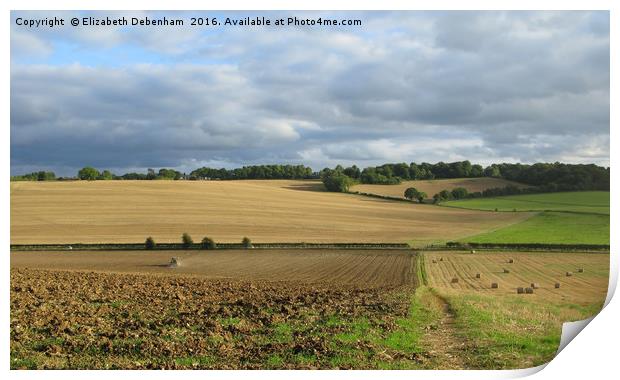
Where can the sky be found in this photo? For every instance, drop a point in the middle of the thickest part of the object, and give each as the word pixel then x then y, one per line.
pixel 403 87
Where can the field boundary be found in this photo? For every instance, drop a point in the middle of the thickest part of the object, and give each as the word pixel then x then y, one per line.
pixel 179 246
pixel 440 204
pixel 520 246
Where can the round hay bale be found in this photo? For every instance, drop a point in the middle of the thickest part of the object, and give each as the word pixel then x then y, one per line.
pixel 506 270
pixel 557 285
pixel 510 261
pixel 580 270
pixel 69 248
pixel 477 275
pixel 434 261
pixel 494 285
pixel 454 280
pixel 174 262
pixel 568 274
pixel 534 285
pixel 520 290
pixel 473 251
pixel 441 259
pixel 529 291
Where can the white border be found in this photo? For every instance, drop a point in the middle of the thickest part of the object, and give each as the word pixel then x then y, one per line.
pixel 592 353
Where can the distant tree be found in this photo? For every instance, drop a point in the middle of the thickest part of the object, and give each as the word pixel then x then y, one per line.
pixel 411 193
pixel 443 195
pixel 45 176
pixel 246 242
pixel 421 196
pixel 336 181
pixel 207 243
pixel 149 243
pixel 352 172
pixel 459 193
pixel 88 173
pixel 150 174
pixel 106 175
pixel 186 240
pixel 492 171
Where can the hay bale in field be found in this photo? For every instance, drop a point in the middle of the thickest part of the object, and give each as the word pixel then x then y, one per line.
pixel 473 251
pixel 568 274
pixel 520 290
pixel 510 261
pixel 174 262
pixel 477 275
pixel 580 270
pixel 454 280
pixel 494 285
pixel 434 261
pixel 441 259
pixel 557 285
pixel 506 270
pixel 529 291
pixel 534 285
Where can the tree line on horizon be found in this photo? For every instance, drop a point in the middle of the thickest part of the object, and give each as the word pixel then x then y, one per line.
pixel 544 176
pixel 541 177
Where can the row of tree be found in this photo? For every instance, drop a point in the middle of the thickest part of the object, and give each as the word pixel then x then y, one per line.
pixel 35 176
pixel 187 242
pixel 544 176
pixel 255 172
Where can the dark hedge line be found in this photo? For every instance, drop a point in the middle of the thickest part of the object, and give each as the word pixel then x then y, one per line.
pixel 593 247
pixel 195 246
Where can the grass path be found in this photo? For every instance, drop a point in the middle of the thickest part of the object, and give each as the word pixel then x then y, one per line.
pixel 445 347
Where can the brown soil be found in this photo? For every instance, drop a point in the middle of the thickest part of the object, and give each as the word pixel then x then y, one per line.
pixel 70 319
pixel 362 268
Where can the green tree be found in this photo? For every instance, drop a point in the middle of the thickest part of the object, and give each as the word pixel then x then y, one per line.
pixel 106 175
pixel 88 173
pixel 186 240
pixel 411 193
pixel 207 243
pixel 246 242
pixel 459 193
pixel 149 243
pixel 421 196
pixel 336 181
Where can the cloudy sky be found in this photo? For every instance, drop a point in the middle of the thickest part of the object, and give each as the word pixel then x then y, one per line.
pixel 404 86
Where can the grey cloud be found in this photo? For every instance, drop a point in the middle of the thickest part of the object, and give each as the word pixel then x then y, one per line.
pixel 421 86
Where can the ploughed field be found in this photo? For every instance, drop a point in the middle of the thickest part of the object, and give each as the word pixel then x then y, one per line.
pixel 265 211
pixel 432 187
pixel 281 310
pixel 363 268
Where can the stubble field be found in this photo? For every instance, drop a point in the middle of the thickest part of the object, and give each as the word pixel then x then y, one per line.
pixel 431 187
pixel 265 211
pixel 510 330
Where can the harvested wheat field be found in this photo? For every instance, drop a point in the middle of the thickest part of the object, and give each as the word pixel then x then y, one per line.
pixel 266 211
pixel 502 327
pixel 542 268
pixel 363 268
pixel 432 187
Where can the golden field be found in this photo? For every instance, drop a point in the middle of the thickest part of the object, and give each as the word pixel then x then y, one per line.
pixel 542 268
pixel 432 187
pixel 265 211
